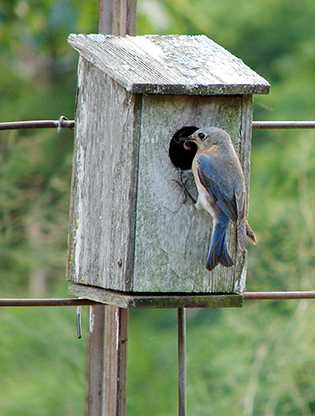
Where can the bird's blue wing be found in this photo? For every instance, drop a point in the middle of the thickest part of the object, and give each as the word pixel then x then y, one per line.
pixel 214 178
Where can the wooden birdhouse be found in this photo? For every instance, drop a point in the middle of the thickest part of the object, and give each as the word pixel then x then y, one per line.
pixel 132 228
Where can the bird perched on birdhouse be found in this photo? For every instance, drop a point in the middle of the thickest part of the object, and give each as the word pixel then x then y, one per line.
pixel 222 191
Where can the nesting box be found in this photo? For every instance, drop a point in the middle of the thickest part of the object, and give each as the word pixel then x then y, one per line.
pixel 132 229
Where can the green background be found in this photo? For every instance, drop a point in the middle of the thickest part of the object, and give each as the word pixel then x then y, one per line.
pixel 258 360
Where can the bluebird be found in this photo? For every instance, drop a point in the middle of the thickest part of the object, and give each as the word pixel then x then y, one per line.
pixel 221 191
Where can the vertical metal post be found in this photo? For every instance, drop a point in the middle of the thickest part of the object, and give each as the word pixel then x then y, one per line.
pixel 182 361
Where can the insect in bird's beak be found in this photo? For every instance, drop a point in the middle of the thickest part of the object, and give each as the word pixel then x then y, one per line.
pixel 187 142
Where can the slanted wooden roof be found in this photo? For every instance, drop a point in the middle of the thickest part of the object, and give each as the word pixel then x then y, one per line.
pixel 152 64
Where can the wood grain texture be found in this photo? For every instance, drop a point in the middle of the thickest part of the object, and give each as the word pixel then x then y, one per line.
pixel 172 238
pixel 152 64
pixel 115 348
pixel 130 229
pixel 156 301
pixel 96 363
pixel 130 226
pixel 117 17
pixel 103 197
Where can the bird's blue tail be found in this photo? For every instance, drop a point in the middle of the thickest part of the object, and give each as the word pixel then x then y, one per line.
pixel 218 250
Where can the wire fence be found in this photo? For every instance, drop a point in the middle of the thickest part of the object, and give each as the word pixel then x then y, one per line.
pixel 50 302
pixel 63 122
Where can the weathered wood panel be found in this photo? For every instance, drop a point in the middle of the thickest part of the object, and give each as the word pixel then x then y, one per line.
pixel 101 230
pixel 115 347
pixel 172 238
pixel 190 65
pixel 156 301
pixel 129 227
pixel 117 17
pixel 96 363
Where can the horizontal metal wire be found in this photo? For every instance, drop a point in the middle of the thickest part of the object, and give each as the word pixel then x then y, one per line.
pixel 279 295
pixel 285 295
pixel 63 122
pixel 283 124
pixel 46 302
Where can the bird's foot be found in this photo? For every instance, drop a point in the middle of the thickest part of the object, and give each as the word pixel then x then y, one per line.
pixel 182 184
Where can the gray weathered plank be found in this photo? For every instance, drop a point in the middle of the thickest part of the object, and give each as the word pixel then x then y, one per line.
pixel 107 370
pixel 115 348
pixel 117 17
pixel 172 238
pixel 103 196
pixel 152 64
pixel 151 300
pixel 96 363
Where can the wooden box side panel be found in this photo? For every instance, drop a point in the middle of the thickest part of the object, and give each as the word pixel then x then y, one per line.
pixel 172 237
pixel 103 195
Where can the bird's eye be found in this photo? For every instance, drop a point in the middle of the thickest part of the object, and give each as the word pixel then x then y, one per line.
pixel 201 136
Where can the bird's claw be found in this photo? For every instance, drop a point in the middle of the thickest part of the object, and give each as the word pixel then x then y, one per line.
pixel 182 184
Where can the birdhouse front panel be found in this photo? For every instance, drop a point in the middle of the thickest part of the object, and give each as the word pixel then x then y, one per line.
pixel 172 236
pixel 132 226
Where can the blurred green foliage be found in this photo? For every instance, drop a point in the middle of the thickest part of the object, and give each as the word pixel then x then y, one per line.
pixel 42 366
pixel 255 361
